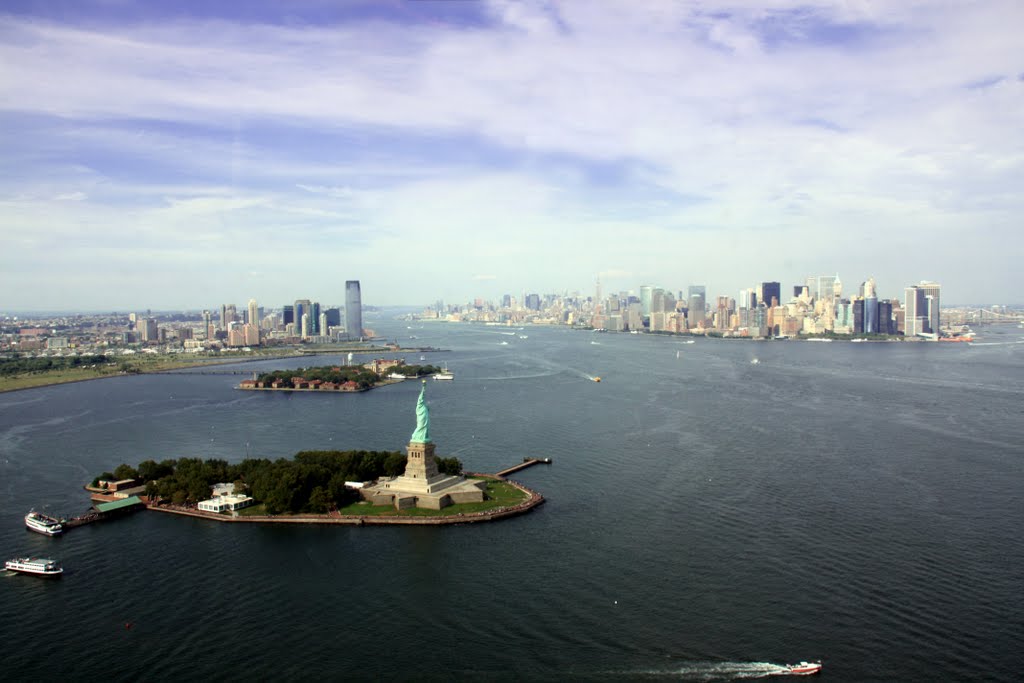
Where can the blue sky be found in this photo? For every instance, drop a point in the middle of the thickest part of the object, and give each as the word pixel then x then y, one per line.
pixel 181 155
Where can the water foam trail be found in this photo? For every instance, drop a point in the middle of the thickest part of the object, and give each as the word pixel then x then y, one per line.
pixel 723 671
pixel 1011 343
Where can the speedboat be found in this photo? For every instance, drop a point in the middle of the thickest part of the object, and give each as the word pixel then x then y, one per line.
pixel 40 566
pixel 43 524
pixel 804 668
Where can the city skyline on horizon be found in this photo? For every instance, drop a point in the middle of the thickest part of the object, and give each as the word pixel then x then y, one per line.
pixel 158 153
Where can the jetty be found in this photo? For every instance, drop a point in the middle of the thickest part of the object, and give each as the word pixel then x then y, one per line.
pixel 527 462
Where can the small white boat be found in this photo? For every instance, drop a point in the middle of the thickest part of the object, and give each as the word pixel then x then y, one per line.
pixel 40 566
pixel 504 343
pixel 804 668
pixel 43 524
pixel 395 375
pixel 444 374
pixel 755 361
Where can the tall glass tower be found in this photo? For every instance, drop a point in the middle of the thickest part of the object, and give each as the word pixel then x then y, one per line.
pixel 353 310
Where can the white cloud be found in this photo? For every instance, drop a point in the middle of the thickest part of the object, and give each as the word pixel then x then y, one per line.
pixel 814 134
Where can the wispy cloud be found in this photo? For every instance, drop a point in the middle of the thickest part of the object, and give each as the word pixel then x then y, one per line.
pixel 518 135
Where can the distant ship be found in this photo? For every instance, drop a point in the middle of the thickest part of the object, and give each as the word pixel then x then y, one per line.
pixel 395 375
pixel 504 343
pixel 804 668
pixel 444 374
pixel 596 379
pixel 754 361
pixel 40 566
pixel 43 524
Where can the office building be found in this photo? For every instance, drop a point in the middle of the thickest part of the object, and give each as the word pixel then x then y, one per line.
pixel 770 293
pixel 922 310
pixel 353 310
pixel 695 316
pixel 301 309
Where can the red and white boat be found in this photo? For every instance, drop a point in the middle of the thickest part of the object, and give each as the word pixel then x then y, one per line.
pixel 804 668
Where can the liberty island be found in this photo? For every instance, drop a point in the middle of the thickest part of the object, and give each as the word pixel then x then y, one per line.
pixel 403 499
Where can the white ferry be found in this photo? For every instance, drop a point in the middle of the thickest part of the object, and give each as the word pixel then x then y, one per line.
pixel 43 524
pixel 444 374
pixel 40 566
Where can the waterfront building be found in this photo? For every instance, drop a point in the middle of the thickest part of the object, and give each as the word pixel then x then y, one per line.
pixel 922 310
pixel 225 503
pixel 858 316
pixel 870 307
pixel 333 317
pixel 885 320
pixel 252 313
pixel 634 316
pixel 287 315
pixel 353 310
pixel 207 324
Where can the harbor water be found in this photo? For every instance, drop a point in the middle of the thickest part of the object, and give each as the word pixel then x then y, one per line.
pixel 709 518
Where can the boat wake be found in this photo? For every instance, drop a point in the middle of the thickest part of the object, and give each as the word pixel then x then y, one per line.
pixel 723 671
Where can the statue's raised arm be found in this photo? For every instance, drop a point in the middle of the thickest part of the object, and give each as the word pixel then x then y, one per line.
pixel 422 433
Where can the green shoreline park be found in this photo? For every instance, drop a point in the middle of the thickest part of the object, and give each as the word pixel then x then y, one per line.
pixel 313 482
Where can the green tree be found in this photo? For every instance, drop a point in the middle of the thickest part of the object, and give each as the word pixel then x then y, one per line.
pixel 319 500
pixel 124 471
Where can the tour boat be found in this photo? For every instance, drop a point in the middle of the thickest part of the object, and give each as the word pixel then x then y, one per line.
pixel 444 374
pixel 43 524
pixel 40 566
pixel 804 668
pixel 396 375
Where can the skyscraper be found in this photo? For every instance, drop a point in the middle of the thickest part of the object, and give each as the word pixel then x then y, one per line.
pixel 645 299
pixel 353 310
pixel 771 293
pixel 695 316
pixel 254 313
pixel 922 309
pixel 870 307
pixel 301 309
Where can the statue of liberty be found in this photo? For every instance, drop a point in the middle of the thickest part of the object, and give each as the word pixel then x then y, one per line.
pixel 422 433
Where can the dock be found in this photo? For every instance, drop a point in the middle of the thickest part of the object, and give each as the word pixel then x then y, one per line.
pixel 527 462
pixel 104 508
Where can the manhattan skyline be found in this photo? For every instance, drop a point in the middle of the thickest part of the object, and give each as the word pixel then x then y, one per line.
pixel 166 157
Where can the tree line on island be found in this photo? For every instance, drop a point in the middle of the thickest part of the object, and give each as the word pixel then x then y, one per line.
pixel 361 375
pixel 311 482
pixel 17 366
